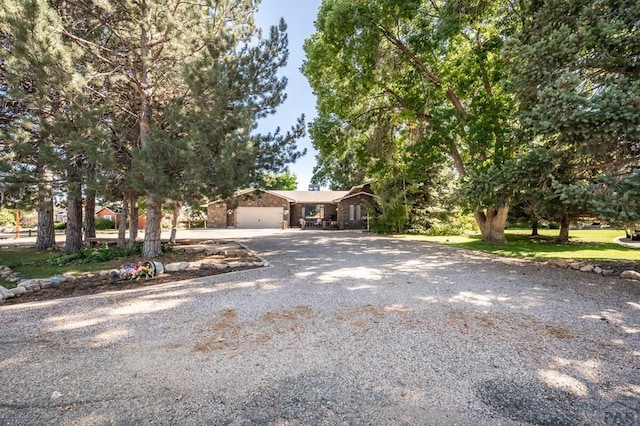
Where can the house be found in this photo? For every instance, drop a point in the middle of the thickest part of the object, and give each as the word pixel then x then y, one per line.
pixel 106 213
pixel 258 208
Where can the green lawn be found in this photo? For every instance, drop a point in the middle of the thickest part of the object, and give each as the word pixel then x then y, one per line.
pixel 596 244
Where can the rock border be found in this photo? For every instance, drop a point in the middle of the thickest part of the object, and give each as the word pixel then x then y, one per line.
pixel 588 267
pixel 25 285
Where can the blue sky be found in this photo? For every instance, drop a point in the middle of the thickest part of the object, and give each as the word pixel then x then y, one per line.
pixel 299 16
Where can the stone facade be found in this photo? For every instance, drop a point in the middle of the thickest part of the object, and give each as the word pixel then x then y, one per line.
pixel 217 216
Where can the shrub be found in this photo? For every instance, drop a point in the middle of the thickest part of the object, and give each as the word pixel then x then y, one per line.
pixel 102 224
pixel 60 225
pixel 99 255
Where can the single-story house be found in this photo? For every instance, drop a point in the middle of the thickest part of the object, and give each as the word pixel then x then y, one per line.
pixel 259 208
pixel 106 213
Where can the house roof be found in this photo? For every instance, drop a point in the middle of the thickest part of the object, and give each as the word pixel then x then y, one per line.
pixel 347 196
pixel 316 197
pixel 306 197
pixel 99 209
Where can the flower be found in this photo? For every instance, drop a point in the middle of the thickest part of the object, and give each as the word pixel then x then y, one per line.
pixel 133 271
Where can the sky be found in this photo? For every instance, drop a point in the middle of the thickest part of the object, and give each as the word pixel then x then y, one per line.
pixel 299 16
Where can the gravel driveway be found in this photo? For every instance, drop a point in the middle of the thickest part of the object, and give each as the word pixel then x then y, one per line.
pixel 342 328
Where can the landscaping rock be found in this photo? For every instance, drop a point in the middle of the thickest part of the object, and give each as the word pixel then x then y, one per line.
pixel 597 270
pixel 176 267
pixel 587 268
pixel 221 266
pixel 13 278
pixel 69 276
pixel 4 293
pixel 559 263
pixel 18 291
pixel 576 266
pixel 607 272
pixel 208 266
pixel 30 285
pixel 630 275
pixel 56 281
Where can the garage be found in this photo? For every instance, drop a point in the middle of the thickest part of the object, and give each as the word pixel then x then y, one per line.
pixel 259 217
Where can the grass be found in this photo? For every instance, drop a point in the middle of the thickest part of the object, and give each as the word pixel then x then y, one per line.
pixel 594 244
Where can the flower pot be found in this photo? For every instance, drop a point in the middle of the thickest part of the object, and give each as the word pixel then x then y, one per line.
pixel 156 267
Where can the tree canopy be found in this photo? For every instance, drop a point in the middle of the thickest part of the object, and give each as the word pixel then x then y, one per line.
pixel 168 95
pixel 534 102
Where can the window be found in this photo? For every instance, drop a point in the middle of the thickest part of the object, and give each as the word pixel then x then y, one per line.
pixel 355 212
pixel 313 211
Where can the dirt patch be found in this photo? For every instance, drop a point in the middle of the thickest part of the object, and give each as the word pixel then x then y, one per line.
pixel 82 286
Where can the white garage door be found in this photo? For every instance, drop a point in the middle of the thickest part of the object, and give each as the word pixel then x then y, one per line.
pixel 259 217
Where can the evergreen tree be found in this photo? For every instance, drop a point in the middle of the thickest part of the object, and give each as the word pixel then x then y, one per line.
pixel 577 76
pixel 198 77
pixel 41 75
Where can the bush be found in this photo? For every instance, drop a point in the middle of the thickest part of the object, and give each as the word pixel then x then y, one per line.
pixel 7 217
pixel 99 255
pixel 102 224
pixel 60 225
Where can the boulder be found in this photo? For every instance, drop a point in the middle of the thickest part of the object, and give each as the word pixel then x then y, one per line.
pixel 587 268
pixel 176 267
pixel 208 266
pixel 4 293
pixel 30 285
pixel 56 281
pixel 18 291
pixel 630 275
pixel 597 270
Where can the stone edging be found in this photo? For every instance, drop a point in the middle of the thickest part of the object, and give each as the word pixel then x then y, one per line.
pixel 587 267
pixel 28 285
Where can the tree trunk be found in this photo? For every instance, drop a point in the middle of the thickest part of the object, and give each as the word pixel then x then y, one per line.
pixel 492 223
pixel 133 224
pixel 534 227
pixel 122 226
pixel 153 230
pixel 90 211
pixel 563 237
pixel 174 222
pixel 46 237
pixel 73 241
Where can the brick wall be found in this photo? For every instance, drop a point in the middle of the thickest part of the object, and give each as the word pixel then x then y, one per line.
pixel 217 212
pixel 343 212
pixel 217 215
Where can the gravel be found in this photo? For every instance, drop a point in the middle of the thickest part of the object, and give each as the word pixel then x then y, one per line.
pixel 342 328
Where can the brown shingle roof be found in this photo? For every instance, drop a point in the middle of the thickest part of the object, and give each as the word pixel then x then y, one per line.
pixel 312 197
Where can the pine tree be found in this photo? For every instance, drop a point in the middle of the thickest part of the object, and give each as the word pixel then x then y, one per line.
pixel 41 74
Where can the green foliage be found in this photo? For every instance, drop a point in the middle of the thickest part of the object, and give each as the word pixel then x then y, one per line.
pixel 99 255
pixel 403 87
pixel 60 226
pixel 575 72
pixel 278 181
pixel 7 217
pixel 102 224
